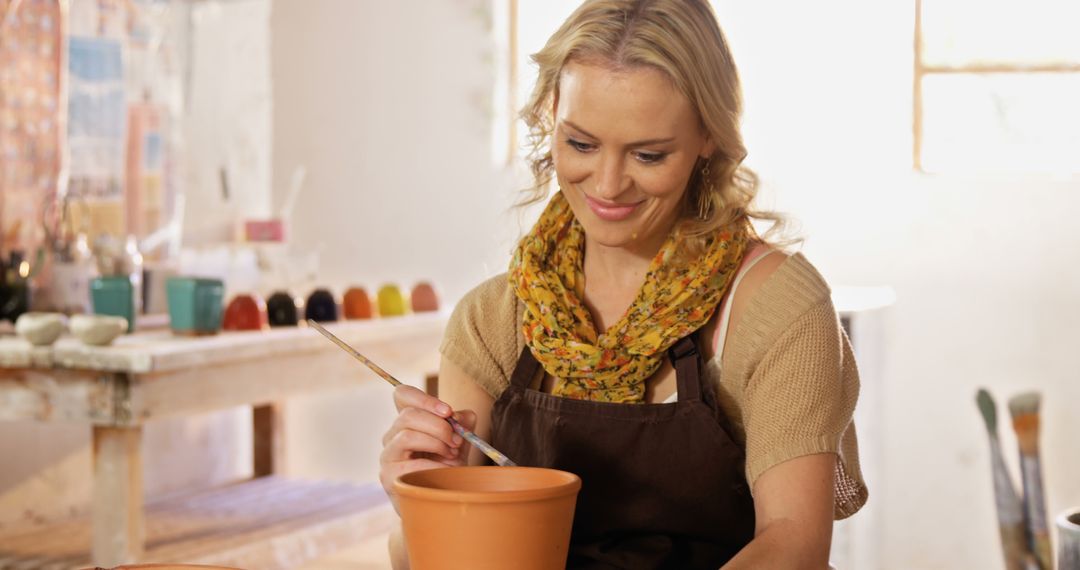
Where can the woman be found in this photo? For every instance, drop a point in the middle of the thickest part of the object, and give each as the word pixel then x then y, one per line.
pixel 643 282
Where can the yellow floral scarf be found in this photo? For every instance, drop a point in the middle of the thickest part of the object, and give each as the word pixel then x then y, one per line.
pixel 678 297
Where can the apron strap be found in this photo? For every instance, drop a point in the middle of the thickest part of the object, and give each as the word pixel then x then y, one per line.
pixel 525 370
pixel 686 358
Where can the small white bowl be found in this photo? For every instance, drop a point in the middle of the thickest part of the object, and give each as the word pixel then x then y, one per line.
pixel 97 330
pixel 41 329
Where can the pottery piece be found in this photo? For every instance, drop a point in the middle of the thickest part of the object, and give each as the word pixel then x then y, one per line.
pixel 1068 525
pixel 281 310
pixel 41 329
pixel 321 307
pixel 195 305
pixel 423 298
pixel 97 330
pixel 487 517
pixel 357 304
pixel 114 295
pixel 246 312
pixel 391 301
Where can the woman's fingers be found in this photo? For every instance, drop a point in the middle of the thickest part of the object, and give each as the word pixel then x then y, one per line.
pixel 412 397
pixel 417 419
pixel 406 443
pixel 420 437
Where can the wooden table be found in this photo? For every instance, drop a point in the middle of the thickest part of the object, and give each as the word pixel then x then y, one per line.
pixel 151 375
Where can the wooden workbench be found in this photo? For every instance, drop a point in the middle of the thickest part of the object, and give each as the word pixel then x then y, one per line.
pixel 268 522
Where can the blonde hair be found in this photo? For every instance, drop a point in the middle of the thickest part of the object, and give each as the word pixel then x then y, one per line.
pixel 682 39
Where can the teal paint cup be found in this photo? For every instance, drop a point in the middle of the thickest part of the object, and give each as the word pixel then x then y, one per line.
pixel 195 305
pixel 115 296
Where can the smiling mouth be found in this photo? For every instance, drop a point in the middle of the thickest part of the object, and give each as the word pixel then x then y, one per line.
pixel 609 211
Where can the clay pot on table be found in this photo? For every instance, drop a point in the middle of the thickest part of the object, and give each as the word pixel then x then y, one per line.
pixel 487 517
pixel 97 330
pixel 41 329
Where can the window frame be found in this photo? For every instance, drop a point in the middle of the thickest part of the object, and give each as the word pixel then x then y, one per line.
pixel 921 70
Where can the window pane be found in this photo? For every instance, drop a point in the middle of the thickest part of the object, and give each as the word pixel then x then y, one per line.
pixel 1002 123
pixel 1032 32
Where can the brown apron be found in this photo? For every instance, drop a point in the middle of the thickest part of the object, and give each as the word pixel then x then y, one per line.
pixel 662 484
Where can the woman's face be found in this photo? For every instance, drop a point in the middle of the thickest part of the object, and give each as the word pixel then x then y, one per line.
pixel 624 147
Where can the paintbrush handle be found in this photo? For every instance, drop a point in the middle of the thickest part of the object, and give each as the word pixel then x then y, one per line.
pixel 469 436
pixel 352 351
pixel 1035 509
pixel 480 444
pixel 1010 512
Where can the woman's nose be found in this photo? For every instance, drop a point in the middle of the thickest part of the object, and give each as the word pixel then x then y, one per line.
pixel 611 178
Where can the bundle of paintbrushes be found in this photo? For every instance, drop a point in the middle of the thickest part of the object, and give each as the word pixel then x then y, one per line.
pixel 1022 520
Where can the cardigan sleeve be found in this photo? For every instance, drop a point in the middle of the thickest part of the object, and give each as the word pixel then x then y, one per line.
pixel 800 400
pixel 481 334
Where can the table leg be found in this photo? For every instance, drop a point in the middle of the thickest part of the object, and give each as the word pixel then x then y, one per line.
pixel 118 526
pixel 268 438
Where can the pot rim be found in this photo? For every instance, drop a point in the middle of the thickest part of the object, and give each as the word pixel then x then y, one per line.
pixel 570 485
pixel 1070 519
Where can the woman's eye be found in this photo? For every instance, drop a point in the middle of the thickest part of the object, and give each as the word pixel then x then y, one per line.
pixel 651 157
pixel 579 146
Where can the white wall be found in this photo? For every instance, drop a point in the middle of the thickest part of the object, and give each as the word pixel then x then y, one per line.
pixel 227 121
pixel 387 105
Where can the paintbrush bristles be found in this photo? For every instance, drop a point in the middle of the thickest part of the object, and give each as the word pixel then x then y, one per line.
pixel 988 410
pixel 1026 403
pixel 1025 417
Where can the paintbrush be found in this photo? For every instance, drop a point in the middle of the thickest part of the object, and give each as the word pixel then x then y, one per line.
pixel 1009 509
pixel 1025 416
pixel 469 436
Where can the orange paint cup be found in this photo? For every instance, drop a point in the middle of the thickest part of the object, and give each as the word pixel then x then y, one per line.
pixel 357 304
pixel 487 517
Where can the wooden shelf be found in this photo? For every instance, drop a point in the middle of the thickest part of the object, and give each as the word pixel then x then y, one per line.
pixel 160 351
pixel 267 523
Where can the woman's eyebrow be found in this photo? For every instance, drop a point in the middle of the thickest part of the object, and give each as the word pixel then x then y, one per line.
pixel 646 142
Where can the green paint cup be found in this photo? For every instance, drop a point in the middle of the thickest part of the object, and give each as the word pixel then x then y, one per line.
pixel 195 305
pixel 115 296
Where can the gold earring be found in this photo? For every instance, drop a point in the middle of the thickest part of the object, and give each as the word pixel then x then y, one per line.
pixel 704 192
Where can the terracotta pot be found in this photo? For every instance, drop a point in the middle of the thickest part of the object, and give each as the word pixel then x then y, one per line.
pixel 246 312
pixel 391 301
pixel 424 298
pixel 487 517
pixel 357 304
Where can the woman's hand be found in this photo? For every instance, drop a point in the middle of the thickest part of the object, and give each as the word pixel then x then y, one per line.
pixel 420 437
